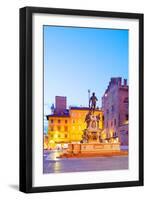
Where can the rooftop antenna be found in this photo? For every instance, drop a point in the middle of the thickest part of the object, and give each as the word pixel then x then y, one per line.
pixel 89 97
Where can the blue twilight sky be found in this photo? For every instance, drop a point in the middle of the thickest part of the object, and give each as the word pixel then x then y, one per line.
pixel 78 59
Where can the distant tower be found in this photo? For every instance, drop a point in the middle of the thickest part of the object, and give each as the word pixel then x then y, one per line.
pixel 52 109
pixel 60 104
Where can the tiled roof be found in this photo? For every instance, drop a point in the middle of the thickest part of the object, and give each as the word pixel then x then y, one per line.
pixel 57 115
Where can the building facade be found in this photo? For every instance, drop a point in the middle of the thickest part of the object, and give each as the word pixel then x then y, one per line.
pixel 115 107
pixel 68 126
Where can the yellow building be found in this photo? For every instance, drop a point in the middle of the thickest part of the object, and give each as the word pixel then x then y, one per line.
pixel 67 128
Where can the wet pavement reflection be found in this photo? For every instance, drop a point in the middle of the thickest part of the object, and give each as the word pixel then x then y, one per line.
pixel 53 164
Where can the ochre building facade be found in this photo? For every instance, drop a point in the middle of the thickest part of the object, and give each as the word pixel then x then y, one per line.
pixel 67 127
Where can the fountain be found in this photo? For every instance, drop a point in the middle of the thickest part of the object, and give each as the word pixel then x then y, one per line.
pixel 91 143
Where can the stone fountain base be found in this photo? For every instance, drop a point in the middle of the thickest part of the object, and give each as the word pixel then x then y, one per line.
pixel 92 148
pixel 91 144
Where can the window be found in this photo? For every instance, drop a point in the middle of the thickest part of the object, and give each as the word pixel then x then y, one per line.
pixel 127 117
pixel 66 128
pixel 52 128
pixel 114 134
pixel 52 121
pixel 126 106
pixel 58 128
pixel 59 121
pixel 111 123
pixel 65 135
pixel 66 121
pixel 112 108
pixel 103 118
pixel 126 100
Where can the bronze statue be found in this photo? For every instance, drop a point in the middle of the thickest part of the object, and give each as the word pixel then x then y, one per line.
pixel 92 101
pixel 91 133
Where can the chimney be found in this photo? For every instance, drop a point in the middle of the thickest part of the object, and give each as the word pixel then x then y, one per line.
pixel 119 81
pixel 125 82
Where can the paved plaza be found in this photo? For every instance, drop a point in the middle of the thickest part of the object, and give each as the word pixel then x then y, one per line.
pixel 52 164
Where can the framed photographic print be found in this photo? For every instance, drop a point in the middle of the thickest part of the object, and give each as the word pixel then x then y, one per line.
pixel 81 99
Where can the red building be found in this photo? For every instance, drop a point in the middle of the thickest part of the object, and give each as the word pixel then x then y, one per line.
pixel 115 108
